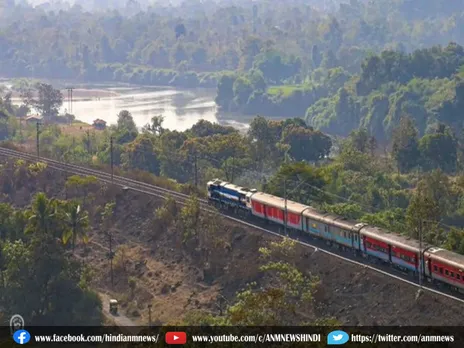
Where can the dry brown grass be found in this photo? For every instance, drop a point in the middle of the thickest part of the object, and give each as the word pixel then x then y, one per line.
pixel 77 129
pixel 174 278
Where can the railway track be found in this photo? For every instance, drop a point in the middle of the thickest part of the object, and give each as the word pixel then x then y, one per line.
pixel 181 198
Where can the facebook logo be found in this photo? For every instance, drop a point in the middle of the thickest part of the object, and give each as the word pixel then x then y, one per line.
pixel 21 336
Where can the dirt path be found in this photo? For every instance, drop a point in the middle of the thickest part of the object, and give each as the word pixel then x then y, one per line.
pixel 119 319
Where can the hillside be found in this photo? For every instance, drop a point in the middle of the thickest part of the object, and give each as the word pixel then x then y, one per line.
pixel 178 278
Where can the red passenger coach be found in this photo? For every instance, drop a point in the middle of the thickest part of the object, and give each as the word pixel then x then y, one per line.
pixel 445 266
pixel 401 251
pixel 376 248
pixel 258 208
pixel 272 208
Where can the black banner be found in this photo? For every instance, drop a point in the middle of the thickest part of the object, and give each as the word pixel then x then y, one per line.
pixel 225 336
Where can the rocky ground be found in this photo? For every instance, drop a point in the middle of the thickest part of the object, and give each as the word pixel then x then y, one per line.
pixel 176 280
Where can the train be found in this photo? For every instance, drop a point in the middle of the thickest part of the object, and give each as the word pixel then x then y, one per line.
pixel 436 265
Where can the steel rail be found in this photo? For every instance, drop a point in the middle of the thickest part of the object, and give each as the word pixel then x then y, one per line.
pixel 160 192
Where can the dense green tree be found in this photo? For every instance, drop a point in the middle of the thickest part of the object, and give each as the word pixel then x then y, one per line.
pixel 77 222
pixel 405 147
pixel 242 90
pixel 225 91
pixel 361 141
pixel 140 154
pixel 439 150
pixel 422 216
pixel 437 186
pixel 306 144
pixel 48 100
pixel 287 293
pixel 205 128
pixel 304 183
pixel 180 30
pixel 316 56
pixel 126 130
pixel 44 213
pixel 156 126
pixel 57 298
pixel 39 261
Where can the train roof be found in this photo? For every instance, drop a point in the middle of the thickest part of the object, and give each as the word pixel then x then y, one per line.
pixel 215 182
pixel 315 214
pixel 238 188
pixel 230 186
pixel 347 224
pixel 446 256
pixel 329 218
pixel 279 202
pixel 391 238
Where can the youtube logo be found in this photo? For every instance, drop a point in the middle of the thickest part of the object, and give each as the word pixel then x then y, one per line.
pixel 176 337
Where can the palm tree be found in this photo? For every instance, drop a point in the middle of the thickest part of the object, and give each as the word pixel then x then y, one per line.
pixel 43 213
pixel 77 222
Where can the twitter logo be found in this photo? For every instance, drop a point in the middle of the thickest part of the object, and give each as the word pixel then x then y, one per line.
pixel 337 337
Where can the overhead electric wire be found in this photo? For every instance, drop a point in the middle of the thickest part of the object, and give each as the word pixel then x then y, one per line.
pixel 153 190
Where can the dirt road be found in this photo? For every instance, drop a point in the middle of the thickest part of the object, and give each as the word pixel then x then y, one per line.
pixel 119 319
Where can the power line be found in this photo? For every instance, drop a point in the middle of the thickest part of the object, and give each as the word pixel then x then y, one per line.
pixel 193 159
pixel 111 256
pixel 111 158
pixel 38 140
pixel 70 99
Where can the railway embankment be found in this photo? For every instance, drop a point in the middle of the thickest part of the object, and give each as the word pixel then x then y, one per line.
pixel 154 266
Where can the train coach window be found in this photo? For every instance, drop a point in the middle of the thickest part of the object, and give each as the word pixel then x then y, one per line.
pixel 452 274
pixel 458 276
pixel 441 270
pixel 446 272
pixel 326 228
pixel 406 258
pixel 379 248
pixel 368 244
pixel 435 268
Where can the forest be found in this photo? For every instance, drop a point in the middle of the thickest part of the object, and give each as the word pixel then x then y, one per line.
pixel 348 66
pixel 192 44
pixel 359 177
pixel 372 92
pixel 34 254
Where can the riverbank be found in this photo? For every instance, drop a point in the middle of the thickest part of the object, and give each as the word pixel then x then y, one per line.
pixel 77 94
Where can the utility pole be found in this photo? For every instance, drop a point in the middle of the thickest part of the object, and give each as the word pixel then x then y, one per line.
pixel 285 212
pixel 65 158
pixel 38 145
pixel 111 155
pixel 285 197
pixel 196 168
pixel 87 132
pixel 70 97
pixel 420 254
pixel 111 256
pixel 21 128
pixel 233 168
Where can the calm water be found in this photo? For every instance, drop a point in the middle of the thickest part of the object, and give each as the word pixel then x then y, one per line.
pixel 181 108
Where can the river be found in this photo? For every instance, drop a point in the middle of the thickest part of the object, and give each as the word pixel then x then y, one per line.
pixel 181 108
